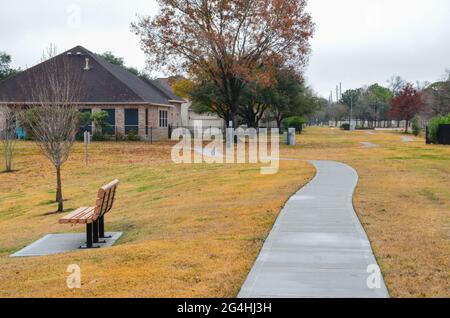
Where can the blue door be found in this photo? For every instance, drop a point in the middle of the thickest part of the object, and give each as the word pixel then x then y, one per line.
pixel 131 121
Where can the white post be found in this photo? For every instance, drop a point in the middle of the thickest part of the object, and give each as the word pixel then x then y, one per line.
pixel 87 141
pixel 230 135
pixel 291 137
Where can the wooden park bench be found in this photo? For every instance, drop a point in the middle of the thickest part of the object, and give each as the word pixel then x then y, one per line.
pixel 94 217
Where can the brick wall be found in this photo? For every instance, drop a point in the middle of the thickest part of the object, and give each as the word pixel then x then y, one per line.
pixel 154 131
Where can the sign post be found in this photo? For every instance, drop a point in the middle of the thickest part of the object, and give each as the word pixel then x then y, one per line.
pixel 87 141
pixel 291 136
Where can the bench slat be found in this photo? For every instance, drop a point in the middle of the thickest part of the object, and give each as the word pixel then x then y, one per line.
pixel 103 204
pixel 81 215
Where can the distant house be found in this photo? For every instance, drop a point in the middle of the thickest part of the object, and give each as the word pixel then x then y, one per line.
pixel 189 116
pixel 133 103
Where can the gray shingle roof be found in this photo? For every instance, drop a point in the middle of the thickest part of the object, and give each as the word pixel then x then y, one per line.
pixel 104 83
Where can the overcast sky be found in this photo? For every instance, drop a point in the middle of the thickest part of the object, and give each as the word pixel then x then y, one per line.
pixel 357 42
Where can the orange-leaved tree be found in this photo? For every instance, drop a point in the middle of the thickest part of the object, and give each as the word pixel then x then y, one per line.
pixel 228 42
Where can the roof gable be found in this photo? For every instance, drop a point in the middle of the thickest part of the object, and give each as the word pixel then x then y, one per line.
pixel 103 82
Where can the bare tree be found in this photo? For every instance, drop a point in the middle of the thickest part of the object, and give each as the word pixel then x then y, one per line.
pixel 396 84
pixel 8 134
pixel 55 86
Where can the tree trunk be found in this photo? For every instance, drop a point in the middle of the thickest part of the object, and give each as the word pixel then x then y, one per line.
pixel 59 196
pixel 8 157
pixel 406 126
pixel 279 124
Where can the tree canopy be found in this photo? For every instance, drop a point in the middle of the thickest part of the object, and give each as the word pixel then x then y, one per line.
pixel 5 66
pixel 117 60
pixel 227 43
pixel 407 104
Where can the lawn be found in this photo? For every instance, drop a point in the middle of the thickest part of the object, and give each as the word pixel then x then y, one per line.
pixel 195 230
pixel 189 230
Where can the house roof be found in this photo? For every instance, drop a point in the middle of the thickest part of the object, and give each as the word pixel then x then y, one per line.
pixel 163 83
pixel 103 82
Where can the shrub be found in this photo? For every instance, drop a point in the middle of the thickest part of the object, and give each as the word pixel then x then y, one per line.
pixel 119 136
pixel 345 126
pixel 79 136
pixel 98 136
pixel 133 136
pixel 415 126
pixel 296 122
pixel 100 120
pixel 434 126
pixel 85 120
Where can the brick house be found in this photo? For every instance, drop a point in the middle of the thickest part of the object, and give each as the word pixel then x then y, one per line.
pixel 133 103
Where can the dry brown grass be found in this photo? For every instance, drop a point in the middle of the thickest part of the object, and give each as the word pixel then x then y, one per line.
pixel 189 230
pixel 194 231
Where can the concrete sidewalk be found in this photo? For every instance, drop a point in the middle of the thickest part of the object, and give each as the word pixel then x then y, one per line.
pixel 317 247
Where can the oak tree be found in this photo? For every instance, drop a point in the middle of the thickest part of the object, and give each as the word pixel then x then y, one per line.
pixel 229 42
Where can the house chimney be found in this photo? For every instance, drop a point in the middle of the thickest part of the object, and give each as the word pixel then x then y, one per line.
pixel 87 67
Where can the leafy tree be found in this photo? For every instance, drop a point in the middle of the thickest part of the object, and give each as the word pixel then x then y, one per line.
pixel 116 60
pixel 253 104
pixel 350 97
pixel 227 43
pixel 437 98
pixel 289 97
pixel 375 102
pixel 407 104
pixel 296 122
pixel 183 88
pixel 5 68
pixel 85 119
pixel 100 121
pixel 206 98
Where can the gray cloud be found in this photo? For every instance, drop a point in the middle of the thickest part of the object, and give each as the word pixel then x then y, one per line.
pixel 358 42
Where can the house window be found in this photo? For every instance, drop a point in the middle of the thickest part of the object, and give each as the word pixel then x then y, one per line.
pixel 111 128
pixel 131 121
pixel 163 118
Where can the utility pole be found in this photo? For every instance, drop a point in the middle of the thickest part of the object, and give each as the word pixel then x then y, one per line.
pixel 351 111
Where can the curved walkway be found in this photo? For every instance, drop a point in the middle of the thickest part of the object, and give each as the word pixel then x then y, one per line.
pixel 318 247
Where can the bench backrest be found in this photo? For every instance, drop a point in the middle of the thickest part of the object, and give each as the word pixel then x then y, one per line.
pixel 105 198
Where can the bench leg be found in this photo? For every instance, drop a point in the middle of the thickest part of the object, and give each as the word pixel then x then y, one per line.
pixel 101 228
pixel 89 233
pixel 89 237
pixel 96 229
